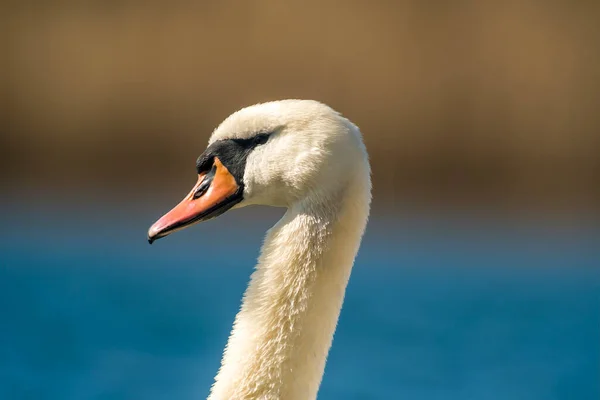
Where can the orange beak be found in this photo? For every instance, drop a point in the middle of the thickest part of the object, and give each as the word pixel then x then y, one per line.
pixel 215 192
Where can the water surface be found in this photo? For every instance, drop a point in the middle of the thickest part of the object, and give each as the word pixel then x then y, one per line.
pixel 434 310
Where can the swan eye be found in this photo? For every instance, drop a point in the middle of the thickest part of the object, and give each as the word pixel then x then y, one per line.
pixel 252 142
pixel 261 138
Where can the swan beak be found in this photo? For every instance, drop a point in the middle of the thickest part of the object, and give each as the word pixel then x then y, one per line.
pixel 215 192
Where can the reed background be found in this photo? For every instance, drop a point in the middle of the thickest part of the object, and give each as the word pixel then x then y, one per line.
pixel 467 103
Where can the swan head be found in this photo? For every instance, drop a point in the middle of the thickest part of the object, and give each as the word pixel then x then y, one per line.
pixel 277 154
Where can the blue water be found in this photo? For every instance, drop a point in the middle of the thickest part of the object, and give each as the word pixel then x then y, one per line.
pixel 434 310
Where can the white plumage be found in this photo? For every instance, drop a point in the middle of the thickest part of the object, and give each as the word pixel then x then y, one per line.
pixel 314 164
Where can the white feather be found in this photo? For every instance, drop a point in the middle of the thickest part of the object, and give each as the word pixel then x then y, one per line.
pixel 316 165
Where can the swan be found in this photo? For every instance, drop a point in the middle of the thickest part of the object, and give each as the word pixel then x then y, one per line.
pixel 308 158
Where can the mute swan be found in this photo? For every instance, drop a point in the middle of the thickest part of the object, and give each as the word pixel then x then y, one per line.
pixel 302 155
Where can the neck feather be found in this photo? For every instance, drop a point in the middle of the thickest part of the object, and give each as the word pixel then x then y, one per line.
pixel 283 332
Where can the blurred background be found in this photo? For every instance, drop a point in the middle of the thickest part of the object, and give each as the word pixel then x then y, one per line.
pixel 479 273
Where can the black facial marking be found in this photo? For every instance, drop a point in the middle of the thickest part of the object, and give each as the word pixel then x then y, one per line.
pixel 232 153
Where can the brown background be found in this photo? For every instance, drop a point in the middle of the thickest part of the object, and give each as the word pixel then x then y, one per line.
pixel 464 103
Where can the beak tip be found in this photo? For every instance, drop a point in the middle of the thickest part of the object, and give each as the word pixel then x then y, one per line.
pixel 153 234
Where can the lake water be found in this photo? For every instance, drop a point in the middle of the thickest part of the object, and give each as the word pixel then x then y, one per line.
pixel 434 309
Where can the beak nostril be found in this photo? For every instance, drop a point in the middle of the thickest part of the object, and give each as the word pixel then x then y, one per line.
pixel 201 189
pixel 205 184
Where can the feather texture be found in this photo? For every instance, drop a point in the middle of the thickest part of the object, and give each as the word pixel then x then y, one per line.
pixel 316 165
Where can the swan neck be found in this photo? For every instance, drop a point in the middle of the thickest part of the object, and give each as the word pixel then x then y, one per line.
pixel 282 334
